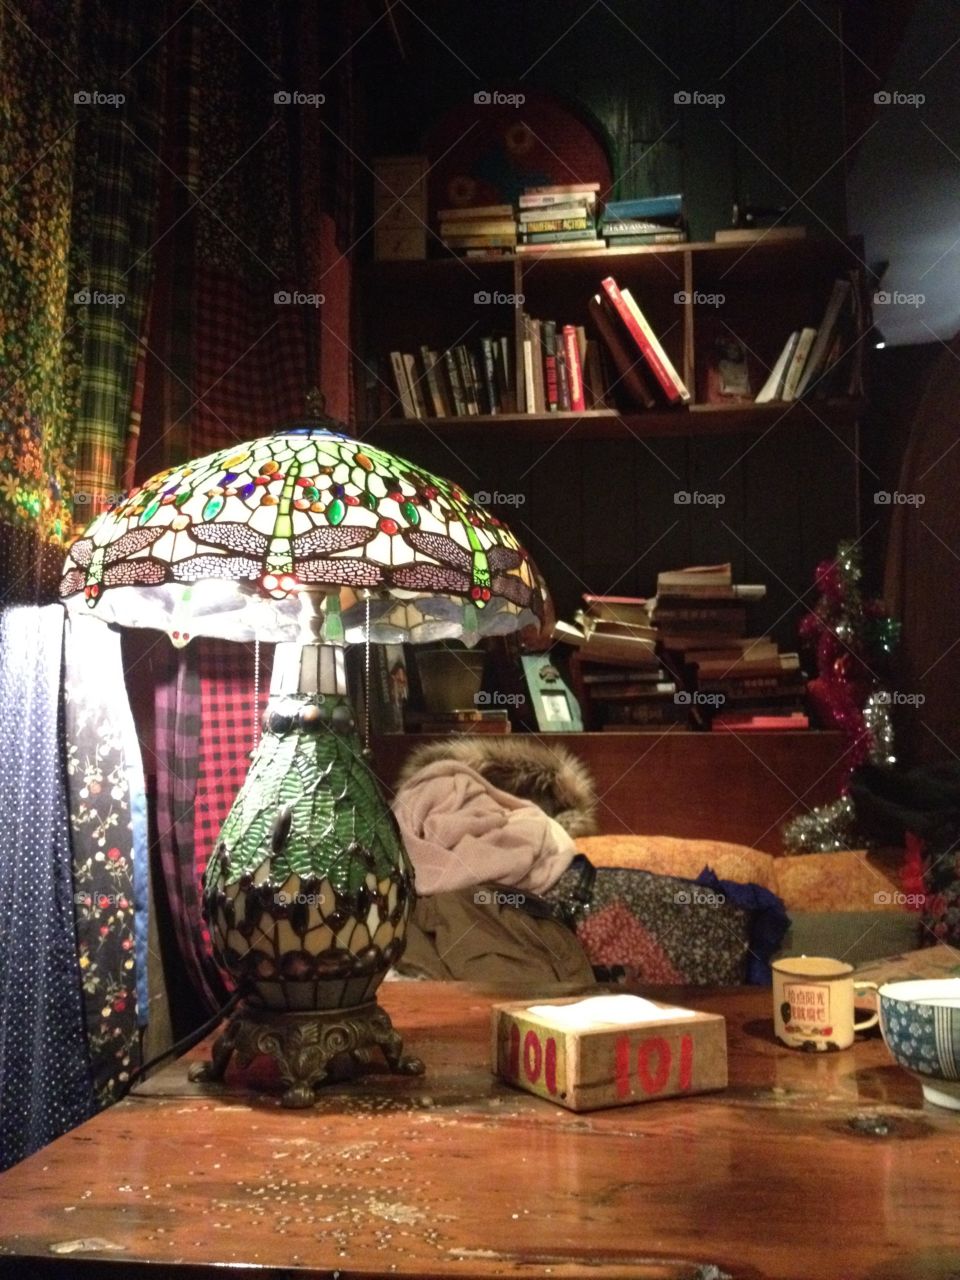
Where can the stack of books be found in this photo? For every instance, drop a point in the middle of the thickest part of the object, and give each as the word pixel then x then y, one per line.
pixel 468 721
pixel 558 367
pixel 617 672
pixel 810 357
pixel 733 680
pixel 645 375
pixel 489 230
pixel 558 217
pixel 463 381
pixel 651 220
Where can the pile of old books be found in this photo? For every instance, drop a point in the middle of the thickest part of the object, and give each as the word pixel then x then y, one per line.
pixel 649 220
pixel 616 671
pixel 732 680
pixel 483 231
pixel 563 216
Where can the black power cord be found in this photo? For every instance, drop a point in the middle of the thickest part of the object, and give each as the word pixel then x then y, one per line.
pixel 187 1041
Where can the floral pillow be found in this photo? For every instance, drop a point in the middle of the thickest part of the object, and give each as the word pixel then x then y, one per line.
pixel 656 929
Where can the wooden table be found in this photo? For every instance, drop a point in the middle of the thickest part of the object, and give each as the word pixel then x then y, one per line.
pixel 806 1168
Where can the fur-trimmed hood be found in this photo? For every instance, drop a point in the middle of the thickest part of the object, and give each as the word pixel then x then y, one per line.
pixel 551 777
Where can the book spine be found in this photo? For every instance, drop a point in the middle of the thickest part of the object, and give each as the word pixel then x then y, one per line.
pixel 463 368
pixel 481 227
pixel 530 390
pixel 539 384
pixel 560 200
pixel 403 386
pixel 480 242
pixel 476 382
pixel 571 347
pixel 797 363
pixel 553 225
pixel 492 400
pixel 563 376
pixel 456 386
pixel 506 371
pixel 569 235
pixel 416 389
pixel 629 374
pixel 611 289
pixel 433 384
pixel 494 211
pixel 550 364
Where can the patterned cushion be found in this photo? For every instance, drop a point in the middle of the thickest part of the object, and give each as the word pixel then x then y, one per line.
pixel 660 929
pixel 671 855
pixel 846 881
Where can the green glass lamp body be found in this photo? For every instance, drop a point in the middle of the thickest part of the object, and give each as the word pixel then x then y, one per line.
pixel 309 889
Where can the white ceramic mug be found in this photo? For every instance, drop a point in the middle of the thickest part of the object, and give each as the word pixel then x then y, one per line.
pixel 813 1003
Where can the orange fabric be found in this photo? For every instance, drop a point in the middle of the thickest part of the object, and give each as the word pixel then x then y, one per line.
pixel 673 856
pixel 809 882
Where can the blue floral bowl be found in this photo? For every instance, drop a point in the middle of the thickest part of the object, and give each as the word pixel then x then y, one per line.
pixel 920 1022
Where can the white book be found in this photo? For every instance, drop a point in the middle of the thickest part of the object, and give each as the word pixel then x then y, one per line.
pixel 550 213
pixel 771 388
pixel 547 200
pixel 403 385
pixel 797 363
pixel 824 339
pixel 654 341
pixel 528 383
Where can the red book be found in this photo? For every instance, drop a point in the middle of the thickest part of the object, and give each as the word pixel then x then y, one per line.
pixel 612 290
pixel 731 722
pixel 574 372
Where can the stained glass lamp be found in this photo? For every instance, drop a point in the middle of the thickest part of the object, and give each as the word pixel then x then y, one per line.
pixel 311 540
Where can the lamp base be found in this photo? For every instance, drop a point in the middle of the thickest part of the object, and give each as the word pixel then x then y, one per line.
pixel 309 1048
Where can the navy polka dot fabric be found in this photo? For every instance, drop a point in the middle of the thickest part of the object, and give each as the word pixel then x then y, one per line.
pixel 45 1085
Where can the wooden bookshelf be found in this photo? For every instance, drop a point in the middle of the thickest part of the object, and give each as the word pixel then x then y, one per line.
pixel 768 289
pixel 597 495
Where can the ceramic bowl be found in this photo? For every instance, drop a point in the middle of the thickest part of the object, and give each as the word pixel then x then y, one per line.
pixel 920 1021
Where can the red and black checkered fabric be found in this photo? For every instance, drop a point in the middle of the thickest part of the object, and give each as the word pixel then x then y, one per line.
pixel 227 718
pixel 249 370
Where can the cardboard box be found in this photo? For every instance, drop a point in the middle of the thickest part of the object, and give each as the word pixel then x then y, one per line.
pixel 604 1063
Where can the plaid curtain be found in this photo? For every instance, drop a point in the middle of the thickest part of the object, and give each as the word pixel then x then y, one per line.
pixel 255 194
pixel 178 717
pixel 121 63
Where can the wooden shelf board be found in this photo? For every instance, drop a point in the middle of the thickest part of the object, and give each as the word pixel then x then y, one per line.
pixel 812 250
pixel 607 424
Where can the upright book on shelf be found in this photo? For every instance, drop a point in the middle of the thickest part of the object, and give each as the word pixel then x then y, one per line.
pixel 646 341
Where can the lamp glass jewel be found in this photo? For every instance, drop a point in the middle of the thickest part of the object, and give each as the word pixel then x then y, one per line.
pixel 312 540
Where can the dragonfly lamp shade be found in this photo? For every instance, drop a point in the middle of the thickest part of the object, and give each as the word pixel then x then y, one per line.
pixel 311 540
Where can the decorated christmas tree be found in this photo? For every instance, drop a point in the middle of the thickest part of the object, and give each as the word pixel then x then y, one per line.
pixel 853 639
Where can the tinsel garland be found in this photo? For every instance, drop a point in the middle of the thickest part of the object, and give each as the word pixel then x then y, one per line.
pixel 852 638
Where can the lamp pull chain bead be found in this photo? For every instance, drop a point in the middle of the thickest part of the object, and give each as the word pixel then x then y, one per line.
pixel 366 678
pixel 256 695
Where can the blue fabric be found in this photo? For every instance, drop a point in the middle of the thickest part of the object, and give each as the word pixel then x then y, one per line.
pixel 45 1081
pixel 141 877
pixel 768 921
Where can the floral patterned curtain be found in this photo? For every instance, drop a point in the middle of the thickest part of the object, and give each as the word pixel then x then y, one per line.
pixel 156 195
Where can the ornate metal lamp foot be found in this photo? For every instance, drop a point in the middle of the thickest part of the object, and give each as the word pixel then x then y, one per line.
pixel 309 1048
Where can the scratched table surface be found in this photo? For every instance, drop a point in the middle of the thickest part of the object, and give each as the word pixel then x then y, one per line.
pixel 808 1167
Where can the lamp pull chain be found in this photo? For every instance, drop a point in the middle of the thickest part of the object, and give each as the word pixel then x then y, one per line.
pixel 366 677
pixel 256 694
